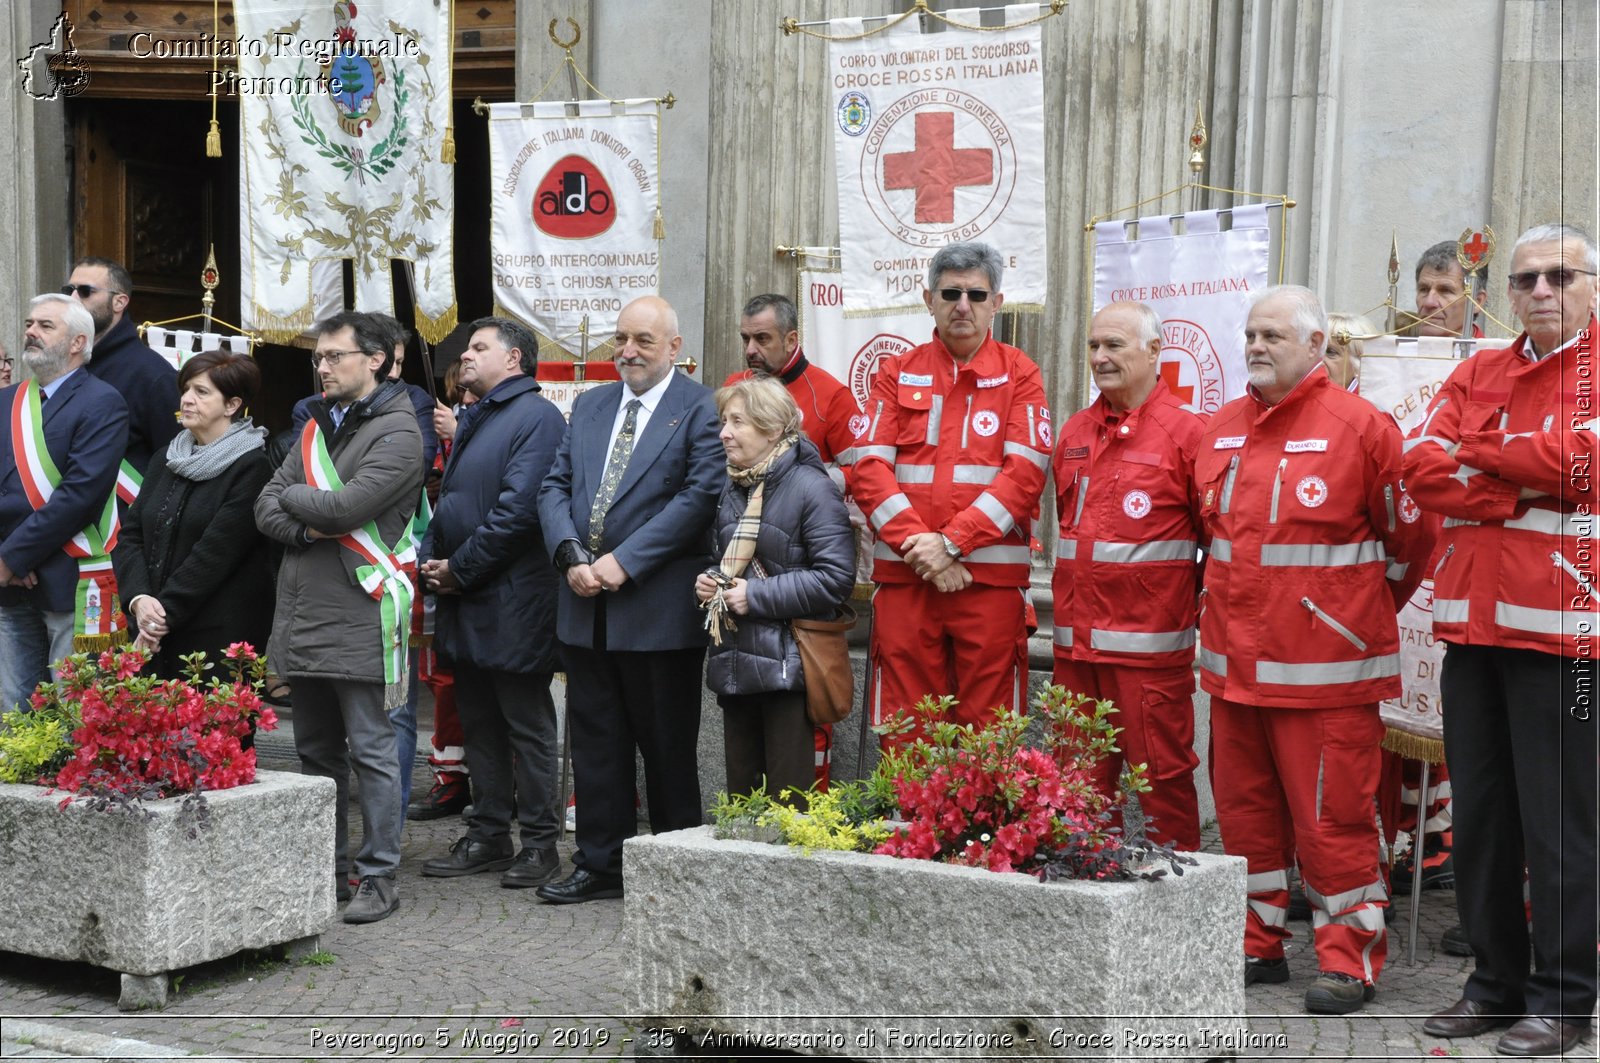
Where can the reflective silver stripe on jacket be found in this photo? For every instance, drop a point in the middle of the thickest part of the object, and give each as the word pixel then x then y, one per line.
pixel 1062 636
pixel 1316 674
pixel 975 474
pixel 1396 571
pixel 985 555
pixel 1221 550
pixel 855 454
pixel 889 509
pixel 935 414
pixel 1141 641
pixel 1549 522
pixel 1545 621
pixel 914 474
pixel 1270 914
pixel 1321 555
pixel 1066 549
pixel 1041 460
pixel 996 511
pixel 1155 550
pixel 1450 610
pixel 1213 662
pixel 1334 903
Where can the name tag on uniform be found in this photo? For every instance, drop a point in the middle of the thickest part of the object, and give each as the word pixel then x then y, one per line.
pixel 995 381
pixel 916 380
pixel 1305 446
pixel 1229 443
pixel 1071 453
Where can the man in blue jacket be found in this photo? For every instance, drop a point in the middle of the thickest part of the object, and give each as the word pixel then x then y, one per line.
pixel 53 493
pixel 146 381
pixel 625 511
pixel 496 607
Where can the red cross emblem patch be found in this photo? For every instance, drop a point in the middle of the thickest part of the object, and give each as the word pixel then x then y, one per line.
pixel 1312 491
pixel 1136 504
pixel 1409 510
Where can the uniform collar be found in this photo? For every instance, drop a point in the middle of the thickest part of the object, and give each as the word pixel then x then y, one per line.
pixel 796 368
pixel 1126 425
pixel 987 361
pixel 1525 346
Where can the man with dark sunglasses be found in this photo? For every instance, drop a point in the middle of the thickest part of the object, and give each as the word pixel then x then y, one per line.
pixel 1507 455
pixel 147 382
pixel 948 464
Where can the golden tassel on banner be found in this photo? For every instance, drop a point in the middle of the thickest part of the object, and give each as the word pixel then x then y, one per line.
pixel 435 329
pixel 214 134
pixel 1413 747
pixel 660 230
pixel 447 149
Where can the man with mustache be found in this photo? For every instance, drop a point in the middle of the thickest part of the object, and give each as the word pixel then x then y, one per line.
pixel 1313 546
pixel 52 493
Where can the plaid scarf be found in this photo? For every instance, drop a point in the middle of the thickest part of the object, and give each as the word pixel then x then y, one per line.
pixel 741 549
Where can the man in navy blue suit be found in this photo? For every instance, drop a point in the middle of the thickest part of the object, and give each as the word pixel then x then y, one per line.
pixel 85 430
pixel 625 511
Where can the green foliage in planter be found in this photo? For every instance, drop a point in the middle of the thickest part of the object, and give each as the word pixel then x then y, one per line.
pixel 36 743
pixel 845 817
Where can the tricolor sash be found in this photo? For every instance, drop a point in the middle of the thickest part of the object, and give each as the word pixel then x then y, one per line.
pixel 383 576
pixel 97 620
pixel 129 482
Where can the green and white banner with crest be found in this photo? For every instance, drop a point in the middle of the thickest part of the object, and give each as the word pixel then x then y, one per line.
pixel 345 139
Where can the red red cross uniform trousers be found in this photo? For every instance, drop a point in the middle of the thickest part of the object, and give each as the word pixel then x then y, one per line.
pixel 961 451
pixel 1313 548
pixel 1124 592
pixel 826 407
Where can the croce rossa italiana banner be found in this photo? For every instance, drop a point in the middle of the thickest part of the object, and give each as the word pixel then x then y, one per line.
pixel 938 138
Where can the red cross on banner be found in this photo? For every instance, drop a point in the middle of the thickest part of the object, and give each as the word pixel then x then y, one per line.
pixel 1475 248
pixel 936 167
pixel 1169 376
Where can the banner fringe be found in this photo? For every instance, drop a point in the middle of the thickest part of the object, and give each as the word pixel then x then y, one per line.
pixel 281 328
pixel 99 643
pixel 1413 746
pixel 888 312
pixel 435 329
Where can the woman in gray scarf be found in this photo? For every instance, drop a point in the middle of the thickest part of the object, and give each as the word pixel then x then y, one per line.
pixel 191 566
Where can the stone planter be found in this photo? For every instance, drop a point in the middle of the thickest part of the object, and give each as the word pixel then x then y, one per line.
pixel 852 955
pixel 136 894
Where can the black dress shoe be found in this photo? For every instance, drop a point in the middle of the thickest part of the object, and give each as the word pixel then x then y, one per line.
pixel 1539 1036
pixel 445 799
pixel 534 867
pixel 582 885
pixel 1467 1018
pixel 1453 942
pixel 468 857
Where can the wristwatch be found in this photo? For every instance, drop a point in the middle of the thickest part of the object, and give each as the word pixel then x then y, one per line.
pixel 951 548
pixel 570 553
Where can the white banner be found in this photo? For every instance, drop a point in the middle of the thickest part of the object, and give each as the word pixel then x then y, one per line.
pixel 938 138
pixel 1200 282
pixel 575 213
pixel 342 121
pixel 850 348
pixel 1401 377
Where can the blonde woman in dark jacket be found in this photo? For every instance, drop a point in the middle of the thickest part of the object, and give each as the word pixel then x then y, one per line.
pixel 787 550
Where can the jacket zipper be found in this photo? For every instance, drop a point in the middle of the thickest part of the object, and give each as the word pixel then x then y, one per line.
pixel 1388 503
pixel 1227 485
pixel 1577 577
pixel 1083 490
pixel 1440 566
pixel 1331 622
pixel 873 435
pixel 966 422
pixel 1277 482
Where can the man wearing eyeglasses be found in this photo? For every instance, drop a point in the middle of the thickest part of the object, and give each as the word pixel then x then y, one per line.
pixel 342 503
pixel 147 382
pixel 1507 455
pixel 948 464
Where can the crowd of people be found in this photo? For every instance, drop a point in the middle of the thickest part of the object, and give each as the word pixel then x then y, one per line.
pixel 1267 547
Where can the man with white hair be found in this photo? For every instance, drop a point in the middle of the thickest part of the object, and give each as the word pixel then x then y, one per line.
pixel 1507 454
pixel 1313 548
pixel 56 509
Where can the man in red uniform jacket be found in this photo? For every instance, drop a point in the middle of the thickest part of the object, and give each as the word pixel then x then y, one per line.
pixel 1313 549
pixel 948 466
pixel 770 332
pixel 1125 565
pixel 1507 454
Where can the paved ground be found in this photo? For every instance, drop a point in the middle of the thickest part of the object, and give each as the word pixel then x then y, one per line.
pixel 468 970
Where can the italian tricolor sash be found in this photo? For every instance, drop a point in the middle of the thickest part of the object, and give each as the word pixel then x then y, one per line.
pixel 129 482
pixel 97 621
pixel 383 576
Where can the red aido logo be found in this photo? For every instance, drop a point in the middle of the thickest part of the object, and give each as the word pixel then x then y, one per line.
pixel 573 200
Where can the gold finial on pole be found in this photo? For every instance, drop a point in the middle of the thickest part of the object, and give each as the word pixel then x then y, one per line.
pixel 577 35
pixel 1197 142
pixel 209 277
pixel 1474 249
pixel 1394 281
